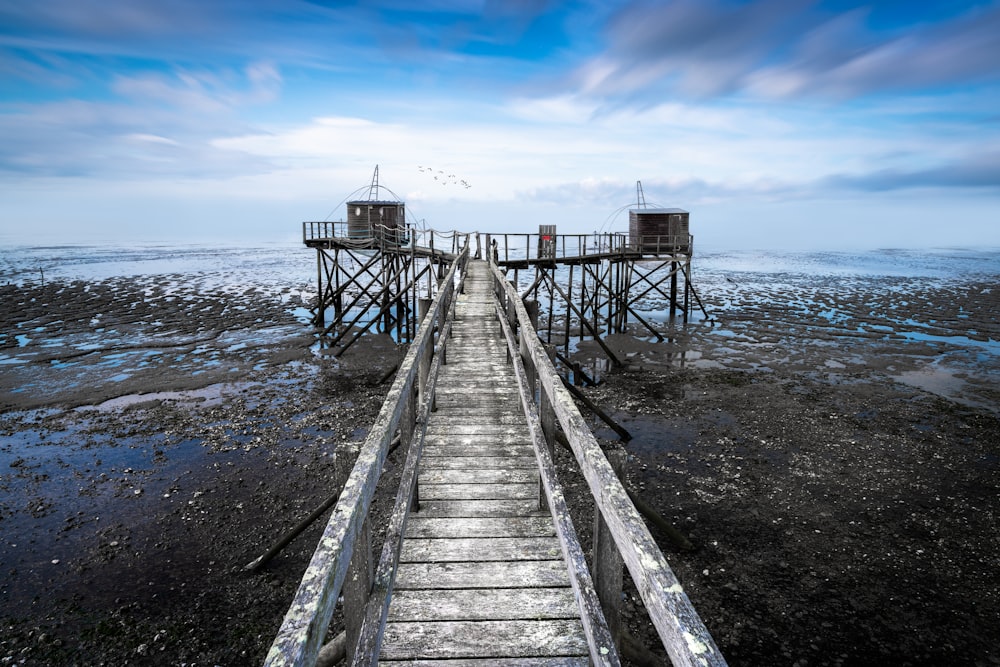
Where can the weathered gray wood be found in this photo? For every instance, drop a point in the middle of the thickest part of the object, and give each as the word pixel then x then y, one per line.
pixel 486 604
pixel 479 508
pixel 471 417
pixel 684 635
pixel 424 362
pixel 425 527
pixel 497 388
pixel 305 624
pixel 547 421
pixel 468 444
pixel 483 638
pixel 479 491
pixel 608 563
pixel 478 476
pixel 482 434
pixel 568 661
pixel 480 549
pixel 537 573
pixel 601 645
pixel 480 405
pixel 460 429
pixel 484 461
pixel 357 586
pixel 376 611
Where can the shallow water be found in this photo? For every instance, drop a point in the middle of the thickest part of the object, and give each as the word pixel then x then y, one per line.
pixel 938 306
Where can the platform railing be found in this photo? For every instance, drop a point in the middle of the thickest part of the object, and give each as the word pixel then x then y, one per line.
pixel 505 248
pixel 345 545
pixel 383 237
pixel 519 248
pixel 684 636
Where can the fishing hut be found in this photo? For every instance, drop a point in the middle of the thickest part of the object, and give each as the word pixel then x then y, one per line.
pixel 374 269
pixel 592 285
pixel 656 230
pixel 383 222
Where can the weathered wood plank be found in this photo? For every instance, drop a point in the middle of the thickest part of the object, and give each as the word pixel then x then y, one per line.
pixel 478 491
pixel 431 527
pixel 479 395
pixel 466 418
pixel 481 446
pixel 480 549
pixel 567 661
pixel 479 508
pixel 484 461
pixel 505 435
pixel 483 639
pixel 459 429
pixel 456 403
pixel 485 604
pixel 496 387
pixel 476 476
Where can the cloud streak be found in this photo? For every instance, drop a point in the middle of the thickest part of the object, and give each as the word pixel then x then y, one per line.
pixel 781 49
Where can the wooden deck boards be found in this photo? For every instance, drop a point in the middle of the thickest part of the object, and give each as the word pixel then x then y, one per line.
pixel 481 579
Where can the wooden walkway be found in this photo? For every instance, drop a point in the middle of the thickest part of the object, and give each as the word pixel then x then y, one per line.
pixel 481 578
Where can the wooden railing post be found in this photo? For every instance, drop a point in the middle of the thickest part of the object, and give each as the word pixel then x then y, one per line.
pixel 407 425
pixel 531 306
pixel 508 307
pixel 608 561
pixel 424 364
pixel 547 419
pixel 358 583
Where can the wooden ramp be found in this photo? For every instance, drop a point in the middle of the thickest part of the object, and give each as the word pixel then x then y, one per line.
pixel 481 578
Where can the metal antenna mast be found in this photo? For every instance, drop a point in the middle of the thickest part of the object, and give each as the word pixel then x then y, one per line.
pixel 640 197
pixel 373 189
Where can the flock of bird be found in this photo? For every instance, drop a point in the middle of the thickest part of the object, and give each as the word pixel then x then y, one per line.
pixel 444 179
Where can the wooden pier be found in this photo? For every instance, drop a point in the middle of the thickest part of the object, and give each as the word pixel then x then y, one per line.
pixel 481 572
pixel 480 563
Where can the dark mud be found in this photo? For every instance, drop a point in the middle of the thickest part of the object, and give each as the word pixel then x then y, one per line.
pixel 842 513
pixel 839 475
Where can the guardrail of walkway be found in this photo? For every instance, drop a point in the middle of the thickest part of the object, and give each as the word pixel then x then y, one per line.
pixel 383 237
pixel 345 545
pixel 686 639
pixel 521 248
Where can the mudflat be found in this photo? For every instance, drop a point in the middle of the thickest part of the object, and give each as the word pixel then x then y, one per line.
pixel 838 479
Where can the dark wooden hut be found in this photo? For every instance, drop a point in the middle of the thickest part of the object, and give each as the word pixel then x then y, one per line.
pixel 659 229
pixel 383 221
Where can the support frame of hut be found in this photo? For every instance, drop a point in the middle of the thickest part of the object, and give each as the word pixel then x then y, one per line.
pixel 365 284
pixel 596 285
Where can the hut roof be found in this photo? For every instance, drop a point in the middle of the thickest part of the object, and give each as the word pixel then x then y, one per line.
pixel 656 210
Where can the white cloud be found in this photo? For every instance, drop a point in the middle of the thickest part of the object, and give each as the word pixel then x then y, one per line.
pixel 150 138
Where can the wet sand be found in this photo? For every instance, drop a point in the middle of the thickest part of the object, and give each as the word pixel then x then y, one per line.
pixel 837 473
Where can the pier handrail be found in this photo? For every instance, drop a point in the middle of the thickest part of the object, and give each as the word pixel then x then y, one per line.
pixel 515 248
pixel 684 636
pixel 307 620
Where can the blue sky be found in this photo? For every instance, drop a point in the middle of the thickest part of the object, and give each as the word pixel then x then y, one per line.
pixel 782 123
